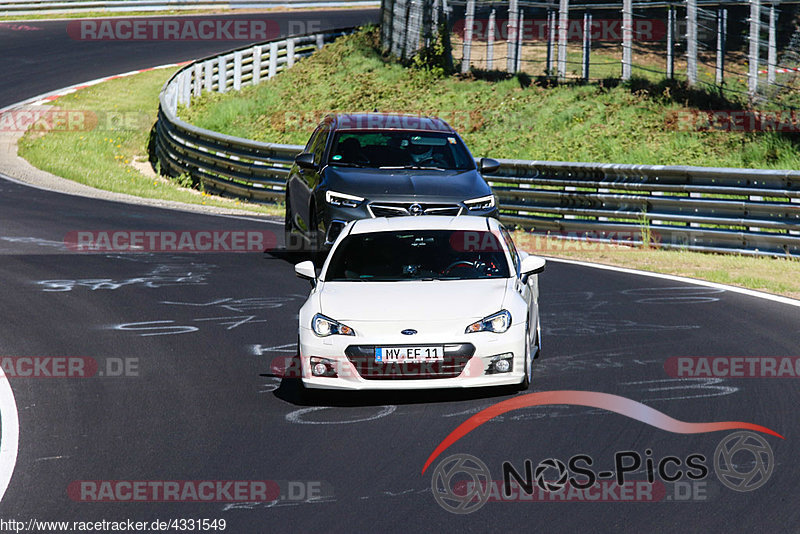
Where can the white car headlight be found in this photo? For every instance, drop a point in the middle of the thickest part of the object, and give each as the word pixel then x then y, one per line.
pixel 325 326
pixel 482 203
pixel 342 199
pixel 498 322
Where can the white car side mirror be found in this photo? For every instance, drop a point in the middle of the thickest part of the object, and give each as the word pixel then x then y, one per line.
pixel 532 265
pixel 306 269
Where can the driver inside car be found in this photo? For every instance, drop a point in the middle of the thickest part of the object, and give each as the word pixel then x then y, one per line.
pixel 424 154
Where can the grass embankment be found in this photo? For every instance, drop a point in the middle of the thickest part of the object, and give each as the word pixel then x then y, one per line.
pixel 642 122
pixel 106 138
pixel 351 76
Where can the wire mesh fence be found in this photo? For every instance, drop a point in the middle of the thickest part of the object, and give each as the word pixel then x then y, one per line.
pixel 744 50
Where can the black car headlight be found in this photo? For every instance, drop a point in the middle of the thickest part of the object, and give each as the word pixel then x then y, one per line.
pixel 481 203
pixel 343 199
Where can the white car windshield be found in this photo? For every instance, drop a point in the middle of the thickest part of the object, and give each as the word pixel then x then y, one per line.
pixel 418 255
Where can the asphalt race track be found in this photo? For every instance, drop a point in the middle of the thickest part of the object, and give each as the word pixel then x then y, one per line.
pixel 41 56
pixel 203 333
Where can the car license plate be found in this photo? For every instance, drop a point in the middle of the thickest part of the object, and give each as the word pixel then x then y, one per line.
pixel 409 354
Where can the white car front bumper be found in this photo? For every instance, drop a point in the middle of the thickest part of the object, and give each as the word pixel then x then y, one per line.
pixel 356 372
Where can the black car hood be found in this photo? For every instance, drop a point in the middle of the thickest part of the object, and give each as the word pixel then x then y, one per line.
pixel 417 183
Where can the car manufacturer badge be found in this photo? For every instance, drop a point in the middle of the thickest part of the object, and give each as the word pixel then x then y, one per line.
pixel 409 332
pixel 415 209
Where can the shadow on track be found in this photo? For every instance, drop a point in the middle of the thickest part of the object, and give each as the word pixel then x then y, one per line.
pixel 294 257
pixel 292 391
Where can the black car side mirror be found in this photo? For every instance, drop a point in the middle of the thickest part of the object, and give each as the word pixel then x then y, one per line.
pixel 305 160
pixel 489 165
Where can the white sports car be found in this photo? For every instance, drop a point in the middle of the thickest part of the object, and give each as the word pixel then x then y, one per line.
pixel 421 302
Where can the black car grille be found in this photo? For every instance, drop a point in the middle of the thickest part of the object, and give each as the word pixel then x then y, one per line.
pixel 455 359
pixel 399 209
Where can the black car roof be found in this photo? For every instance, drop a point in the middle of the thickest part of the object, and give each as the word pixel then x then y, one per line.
pixel 387 121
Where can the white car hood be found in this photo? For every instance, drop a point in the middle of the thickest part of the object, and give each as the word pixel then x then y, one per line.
pixel 403 301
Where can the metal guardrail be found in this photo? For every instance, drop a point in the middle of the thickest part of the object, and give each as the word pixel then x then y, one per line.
pixel 697 208
pixel 34 7
pixel 746 211
pixel 232 165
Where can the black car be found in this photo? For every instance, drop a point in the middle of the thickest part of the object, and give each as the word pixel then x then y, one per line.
pixel 357 166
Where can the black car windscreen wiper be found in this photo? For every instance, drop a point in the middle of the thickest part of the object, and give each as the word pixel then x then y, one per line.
pixel 347 164
pixel 416 167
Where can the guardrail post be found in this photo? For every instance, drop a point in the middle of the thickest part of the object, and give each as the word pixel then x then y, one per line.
pixel 722 30
pixel 490 41
pixel 587 44
pixel 513 35
pixel 256 65
pixel 290 52
pixel 772 58
pixel 627 39
pixel 670 42
pixel 691 41
pixel 186 88
pixel 197 84
pixel 208 71
pixel 320 41
pixel 563 22
pixel 222 75
pixel 469 25
pixel 520 25
pixel 404 27
pixel 551 41
pixel 755 35
pixel 237 70
pixel 273 59
pixel 387 20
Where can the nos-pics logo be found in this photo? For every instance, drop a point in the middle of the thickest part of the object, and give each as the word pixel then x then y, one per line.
pixel 462 483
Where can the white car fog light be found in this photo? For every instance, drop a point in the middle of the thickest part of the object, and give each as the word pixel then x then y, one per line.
pixel 501 363
pixel 322 367
pixel 502 366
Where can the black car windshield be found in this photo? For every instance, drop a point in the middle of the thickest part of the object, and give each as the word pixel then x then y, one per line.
pixel 399 149
pixel 418 255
